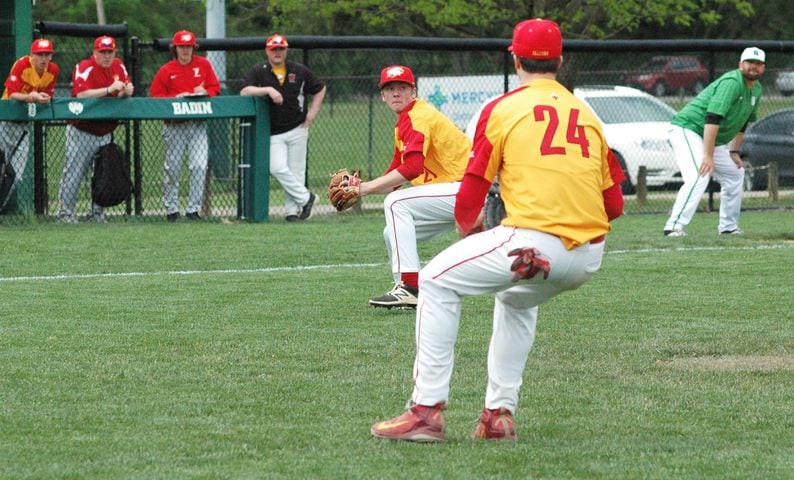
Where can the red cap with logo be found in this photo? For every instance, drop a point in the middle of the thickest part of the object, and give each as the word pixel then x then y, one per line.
pixel 42 45
pixel 104 43
pixel 396 73
pixel 276 41
pixel 537 39
pixel 184 37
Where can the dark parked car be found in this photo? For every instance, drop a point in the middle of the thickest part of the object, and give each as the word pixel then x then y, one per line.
pixel 784 82
pixel 771 139
pixel 663 75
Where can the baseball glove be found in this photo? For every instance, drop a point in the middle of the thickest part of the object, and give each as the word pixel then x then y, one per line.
pixel 528 264
pixel 343 191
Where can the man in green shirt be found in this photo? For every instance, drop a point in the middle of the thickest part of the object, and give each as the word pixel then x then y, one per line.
pixel 707 135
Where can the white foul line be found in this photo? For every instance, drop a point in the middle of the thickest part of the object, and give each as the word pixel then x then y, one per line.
pixel 185 272
pixel 337 266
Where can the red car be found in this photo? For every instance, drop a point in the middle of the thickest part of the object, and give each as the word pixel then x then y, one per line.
pixel 665 75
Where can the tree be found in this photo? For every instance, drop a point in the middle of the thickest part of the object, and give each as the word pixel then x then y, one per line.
pixel 594 19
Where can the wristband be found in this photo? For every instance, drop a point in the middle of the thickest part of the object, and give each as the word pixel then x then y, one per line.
pixel 735 151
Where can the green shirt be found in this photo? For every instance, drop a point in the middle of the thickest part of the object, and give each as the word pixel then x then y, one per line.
pixel 727 96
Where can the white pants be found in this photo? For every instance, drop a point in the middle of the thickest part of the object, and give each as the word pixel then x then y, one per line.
pixel 288 166
pixel 413 215
pixel 10 134
pixel 688 148
pixel 80 149
pixel 479 265
pixel 190 136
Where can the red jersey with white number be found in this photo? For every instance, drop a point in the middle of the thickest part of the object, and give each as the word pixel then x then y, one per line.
pixel 551 156
pixel 422 128
pixel 25 79
pixel 89 75
pixel 174 78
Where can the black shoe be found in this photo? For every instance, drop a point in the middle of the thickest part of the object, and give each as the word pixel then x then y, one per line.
pixel 401 296
pixel 172 217
pixel 307 209
pixel 192 216
pixel 292 218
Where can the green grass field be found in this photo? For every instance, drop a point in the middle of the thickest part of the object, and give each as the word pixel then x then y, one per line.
pixel 142 350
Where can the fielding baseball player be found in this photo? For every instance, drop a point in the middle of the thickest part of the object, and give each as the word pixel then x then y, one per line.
pixel 552 160
pixel 31 80
pixel 186 75
pixel 102 75
pixel 430 152
pixel 707 136
pixel 287 84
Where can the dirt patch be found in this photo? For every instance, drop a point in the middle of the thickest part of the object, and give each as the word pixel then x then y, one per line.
pixel 734 363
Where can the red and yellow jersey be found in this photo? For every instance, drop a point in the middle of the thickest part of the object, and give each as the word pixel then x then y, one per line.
pixel 421 128
pixel 552 160
pixel 174 78
pixel 25 79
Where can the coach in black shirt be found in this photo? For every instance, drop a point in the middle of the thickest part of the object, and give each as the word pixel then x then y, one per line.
pixel 287 84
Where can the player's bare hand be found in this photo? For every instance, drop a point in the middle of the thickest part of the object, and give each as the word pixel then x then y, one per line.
pixel 477 227
pixel 737 159
pixel 200 90
pixel 128 89
pixel 116 86
pixel 706 167
pixel 275 95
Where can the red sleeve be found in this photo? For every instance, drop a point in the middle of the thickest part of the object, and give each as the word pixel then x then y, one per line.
pixel 14 81
pixel 469 201
pixel 613 201
pixel 615 170
pixel 211 85
pixel 158 88
pixel 396 160
pixel 613 196
pixel 55 71
pixel 412 165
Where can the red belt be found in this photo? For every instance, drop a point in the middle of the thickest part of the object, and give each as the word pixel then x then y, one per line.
pixel 598 240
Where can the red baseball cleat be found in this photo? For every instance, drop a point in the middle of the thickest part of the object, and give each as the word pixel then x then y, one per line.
pixel 495 424
pixel 418 424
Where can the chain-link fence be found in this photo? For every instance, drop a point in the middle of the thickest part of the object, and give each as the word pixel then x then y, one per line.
pixel 355 129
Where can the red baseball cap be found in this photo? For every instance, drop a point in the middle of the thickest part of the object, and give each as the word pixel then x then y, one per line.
pixel 396 73
pixel 42 45
pixel 105 43
pixel 276 41
pixel 537 39
pixel 184 37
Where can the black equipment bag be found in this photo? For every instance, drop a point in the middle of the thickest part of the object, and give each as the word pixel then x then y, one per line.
pixel 110 183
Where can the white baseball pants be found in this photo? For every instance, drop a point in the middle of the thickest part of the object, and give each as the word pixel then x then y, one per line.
pixel 288 166
pixel 190 136
pixel 688 148
pixel 416 214
pixel 80 149
pixel 479 265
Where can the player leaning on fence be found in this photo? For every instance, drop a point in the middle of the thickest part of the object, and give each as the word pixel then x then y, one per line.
pixel 287 84
pixel 31 80
pixel 187 75
pixel 99 76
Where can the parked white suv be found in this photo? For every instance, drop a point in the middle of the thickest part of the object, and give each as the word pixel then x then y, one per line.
pixel 636 125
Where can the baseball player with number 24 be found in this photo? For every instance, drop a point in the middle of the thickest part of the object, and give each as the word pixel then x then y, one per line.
pixel 559 192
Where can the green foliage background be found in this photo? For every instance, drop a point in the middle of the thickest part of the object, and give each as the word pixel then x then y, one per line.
pixel 593 19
